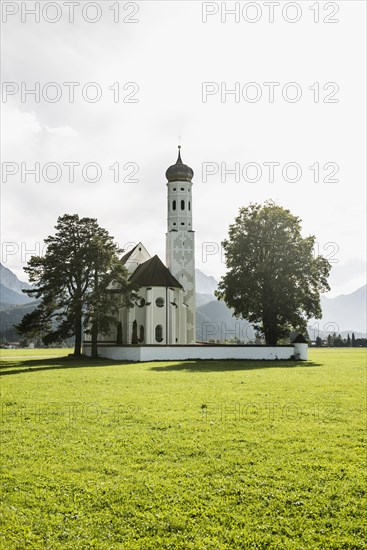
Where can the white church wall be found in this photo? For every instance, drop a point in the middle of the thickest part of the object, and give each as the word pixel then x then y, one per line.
pixel 186 353
pixel 160 314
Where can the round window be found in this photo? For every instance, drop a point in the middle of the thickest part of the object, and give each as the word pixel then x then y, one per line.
pixel 141 302
pixel 159 302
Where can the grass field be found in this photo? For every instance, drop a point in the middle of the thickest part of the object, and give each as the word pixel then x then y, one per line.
pixel 194 455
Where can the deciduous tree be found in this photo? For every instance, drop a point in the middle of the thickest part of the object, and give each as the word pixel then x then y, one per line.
pixel 274 279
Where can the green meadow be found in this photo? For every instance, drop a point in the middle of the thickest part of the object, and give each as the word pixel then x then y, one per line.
pixel 183 455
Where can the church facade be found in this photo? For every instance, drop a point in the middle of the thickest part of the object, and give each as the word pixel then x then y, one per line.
pixel 164 314
pixel 161 324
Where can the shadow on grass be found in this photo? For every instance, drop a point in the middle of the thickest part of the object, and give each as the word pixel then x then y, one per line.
pixel 216 365
pixel 35 365
pixel 25 366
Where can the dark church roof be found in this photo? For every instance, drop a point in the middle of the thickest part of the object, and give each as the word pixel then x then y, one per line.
pixel 299 339
pixel 154 273
pixel 128 254
pixel 179 171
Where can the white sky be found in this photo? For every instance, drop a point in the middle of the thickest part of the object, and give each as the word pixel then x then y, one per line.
pixel 169 53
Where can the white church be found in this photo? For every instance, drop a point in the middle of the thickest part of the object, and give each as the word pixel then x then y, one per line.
pixel 164 318
pixel 165 312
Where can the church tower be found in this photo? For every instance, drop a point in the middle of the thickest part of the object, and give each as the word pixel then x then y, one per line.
pixel 180 237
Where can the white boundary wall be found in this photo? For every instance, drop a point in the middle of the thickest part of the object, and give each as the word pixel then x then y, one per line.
pixel 184 353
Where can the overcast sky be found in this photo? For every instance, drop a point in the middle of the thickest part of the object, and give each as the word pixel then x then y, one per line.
pixel 157 67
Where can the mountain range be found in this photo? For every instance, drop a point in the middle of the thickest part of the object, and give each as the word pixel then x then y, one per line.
pixel 343 314
pixel 11 289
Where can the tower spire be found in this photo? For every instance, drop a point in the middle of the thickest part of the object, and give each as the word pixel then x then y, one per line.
pixel 179 171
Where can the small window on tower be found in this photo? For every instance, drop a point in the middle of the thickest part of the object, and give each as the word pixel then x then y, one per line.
pixel 174 188
pixel 189 205
pixel 182 223
pixel 182 205
pixel 182 189
pixel 174 205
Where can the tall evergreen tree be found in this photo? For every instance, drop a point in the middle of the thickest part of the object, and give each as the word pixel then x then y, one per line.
pixel 75 279
pixel 353 340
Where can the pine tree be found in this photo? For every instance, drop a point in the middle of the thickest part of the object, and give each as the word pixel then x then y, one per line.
pixel 318 342
pixel 77 280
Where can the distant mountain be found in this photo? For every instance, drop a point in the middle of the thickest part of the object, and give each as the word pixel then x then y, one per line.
pixel 11 289
pixel 205 284
pixel 202 299
pixel 347 311
pixel 214 320
pixel 12 316
pixel 11 281
pixel 9 298
pixel 205 287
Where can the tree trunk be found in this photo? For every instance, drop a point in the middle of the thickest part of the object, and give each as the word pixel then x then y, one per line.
pixel 78 334
pixel 270 329
pixel 270 337
pixel 94 333
pixel 119 334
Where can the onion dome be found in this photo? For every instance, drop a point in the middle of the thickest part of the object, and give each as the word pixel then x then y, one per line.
pixel 179 171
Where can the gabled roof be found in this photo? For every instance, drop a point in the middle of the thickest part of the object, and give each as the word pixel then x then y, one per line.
pixel 154 273
pixel 128 254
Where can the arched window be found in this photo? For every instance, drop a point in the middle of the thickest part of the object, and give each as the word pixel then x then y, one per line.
pixel 182 205
pixel 159 333
pixel 189 205
pixel 141 334
pixel 174 205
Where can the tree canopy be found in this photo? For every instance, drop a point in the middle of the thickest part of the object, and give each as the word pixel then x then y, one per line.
pixel 77 280
pixel 274 279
